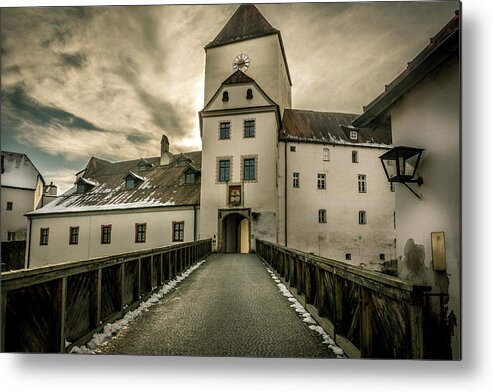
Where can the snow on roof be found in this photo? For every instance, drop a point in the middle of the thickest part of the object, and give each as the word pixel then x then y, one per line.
pixel 18 171
pixel 130 172
pixel 86 181
pixel 163 186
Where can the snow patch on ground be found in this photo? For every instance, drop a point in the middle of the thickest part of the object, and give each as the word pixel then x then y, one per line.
pixel 306 317
pixel 110 330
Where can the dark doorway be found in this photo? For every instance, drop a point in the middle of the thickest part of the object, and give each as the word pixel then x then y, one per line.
pixel 235 233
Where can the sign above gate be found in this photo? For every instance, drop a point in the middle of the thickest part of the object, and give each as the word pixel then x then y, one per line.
pixel 234 198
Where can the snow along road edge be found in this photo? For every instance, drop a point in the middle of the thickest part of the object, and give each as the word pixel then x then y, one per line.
pixel 305 315
pixel 110 330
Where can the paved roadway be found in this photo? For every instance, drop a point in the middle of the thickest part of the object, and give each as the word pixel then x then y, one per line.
pixel 229 306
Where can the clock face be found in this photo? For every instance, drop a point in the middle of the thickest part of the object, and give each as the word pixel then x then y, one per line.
pixel 241 62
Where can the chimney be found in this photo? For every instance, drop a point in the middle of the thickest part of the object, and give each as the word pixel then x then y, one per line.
pixel 52 189
pixel 166 156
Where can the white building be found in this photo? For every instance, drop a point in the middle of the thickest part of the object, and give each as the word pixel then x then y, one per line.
pixel 23 189
pixel 119 207
pixel 423 105
pixel 338 204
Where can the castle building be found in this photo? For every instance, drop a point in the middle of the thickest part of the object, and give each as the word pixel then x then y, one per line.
pixel 304 179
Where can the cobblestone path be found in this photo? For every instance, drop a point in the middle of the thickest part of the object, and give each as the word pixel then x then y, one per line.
pixel 230 306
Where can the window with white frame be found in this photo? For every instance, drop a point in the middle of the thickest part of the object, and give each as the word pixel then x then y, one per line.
pixel 321 180
pixel 362 217
pixel 353 135
pixel 73 237
pixel 10 205
pixel 322 216
pixel 292 148
pixel 296 180
pixel 361 183
pixel 326 154
pixel 178 231
pixel 354 156
pixel 43 235
pixel 11 236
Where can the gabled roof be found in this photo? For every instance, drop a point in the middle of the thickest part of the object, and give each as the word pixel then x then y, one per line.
pixel 136 176
pixel 238 77
pixel 85 181
pixel 247 22
pixel 329 128
pixel 19 171
pixel 144 162
pixel 162 186
pixel 441 47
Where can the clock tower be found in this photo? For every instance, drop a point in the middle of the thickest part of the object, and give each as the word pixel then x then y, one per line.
pixel 249 43
pixel 247 88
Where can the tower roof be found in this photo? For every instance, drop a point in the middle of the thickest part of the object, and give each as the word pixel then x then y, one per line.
pixel 247 22
pixel 238 77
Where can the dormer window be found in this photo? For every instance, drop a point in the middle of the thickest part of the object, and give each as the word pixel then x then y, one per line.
pixel 353 135
pixel 84 185
pixel 249 94
pixel 191 175
pixel 144 165
pixel 225 96
pixel 132 180
pixel 181 161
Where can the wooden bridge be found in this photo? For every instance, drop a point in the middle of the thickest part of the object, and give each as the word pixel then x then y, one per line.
pixel 55 308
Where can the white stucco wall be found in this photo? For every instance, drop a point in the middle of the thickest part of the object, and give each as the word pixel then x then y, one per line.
pixel 158 233
pixel 260 196
pixel 429 117
pixel 341 199
pixel 15 221
pixel 267 67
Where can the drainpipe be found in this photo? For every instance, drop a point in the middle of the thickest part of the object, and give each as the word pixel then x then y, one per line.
pixel 285 193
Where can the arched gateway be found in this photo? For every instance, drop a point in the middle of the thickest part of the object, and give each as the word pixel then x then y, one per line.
pixel 235 232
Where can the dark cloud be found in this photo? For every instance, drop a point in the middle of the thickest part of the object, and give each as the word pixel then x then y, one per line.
pixel 76 60
pixel 19 108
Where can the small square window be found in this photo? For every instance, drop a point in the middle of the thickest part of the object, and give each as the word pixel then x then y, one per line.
pixel 224 130
pixel 43 236
pixel 321 180
pixel 11 236
pixel 73 238
pixel 10 205
pixel 178 231
pixel 322 216
pixel 353 135
pixel 348 256
pixel 106 234
pixel 326 154
pixel 296 180
pixel 292 148
pixel 382 256
pixel 140 232
pixel 354 156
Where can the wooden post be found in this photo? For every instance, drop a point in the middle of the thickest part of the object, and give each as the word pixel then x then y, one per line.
pixel 159 269
pixel 292 281
pixel 139 273
pixel 415 326
pixel 60 310
pixel 3 320
pixel 338 316
pixel 96 298
pixel 366 346
pixel 150 260
pixel 120 286
pixel 321 291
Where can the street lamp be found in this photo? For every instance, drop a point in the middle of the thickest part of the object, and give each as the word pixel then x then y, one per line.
pixel 400 165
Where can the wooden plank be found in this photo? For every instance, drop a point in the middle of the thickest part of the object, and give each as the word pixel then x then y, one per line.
pixel 3 320
pixel 96 304
pixel 366 324
pixel 416 349
pixel 338 313
pixel 120 286
pixel 61 304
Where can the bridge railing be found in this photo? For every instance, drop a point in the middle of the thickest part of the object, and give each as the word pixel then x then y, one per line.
pixel 53 308
pixel 369 314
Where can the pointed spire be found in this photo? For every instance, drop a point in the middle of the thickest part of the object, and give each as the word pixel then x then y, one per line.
pixel 247 22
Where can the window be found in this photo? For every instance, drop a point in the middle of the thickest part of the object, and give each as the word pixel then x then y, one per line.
pixel 10 205
pixel 296 180
pixel 190 177
pixel 178 231
pixel 322 216
pixel 224 129
pixel 382 256
pixel 348 256
pixel 140 232
pixel 292 148
pixel 354 155
pixel 353 135
pixel 249 94
pixel 130 183
pixel 361 183
pixel 106 234
pixel 321 181
pixel 224 166
pixel 73 238
pixel 43 236
pixel 249 169
pixel 249 128
pixel 392 187
pixel 11 236
pixel 225 96
pixel 326 154
pixel 362 217
pixel 81 188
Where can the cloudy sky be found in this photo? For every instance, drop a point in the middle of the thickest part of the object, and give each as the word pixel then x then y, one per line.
pixel 107 81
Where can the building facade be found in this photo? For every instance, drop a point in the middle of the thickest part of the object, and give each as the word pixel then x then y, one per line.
pixel 423 105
